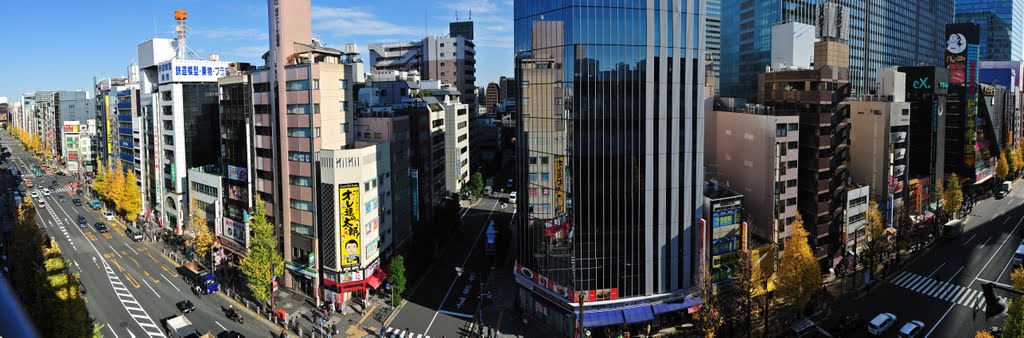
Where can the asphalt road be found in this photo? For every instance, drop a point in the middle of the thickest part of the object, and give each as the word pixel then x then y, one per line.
pixel 445 303
pixel 943 287
pixel 130 286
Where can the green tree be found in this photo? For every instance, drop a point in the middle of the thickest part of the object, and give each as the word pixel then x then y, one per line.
pixel 952 196
pixel 708 318
pixel 133 197
pixel 1011 162
pixel 396 278
pixel 1002 168
pixel 202 236
pixel 263 260
pixel 799 276
pixel 1013 325
pixel 475 184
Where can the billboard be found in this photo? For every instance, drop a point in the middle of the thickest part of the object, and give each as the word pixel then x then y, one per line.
pixel 72 127
pixel 559 185
pixel 960 37
pixel 348 210
pixel 235 230
pixel 178 70
pixel 238 173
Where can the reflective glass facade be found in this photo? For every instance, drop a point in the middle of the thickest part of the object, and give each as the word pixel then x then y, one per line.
pixel 882 34
pixel 609 151
pixel 1002 26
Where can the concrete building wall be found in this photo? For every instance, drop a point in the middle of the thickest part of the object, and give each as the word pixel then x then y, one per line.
pixel 753 154
pixel 878 145
pixel 792 45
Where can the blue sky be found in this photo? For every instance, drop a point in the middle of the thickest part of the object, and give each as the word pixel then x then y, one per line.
pixel 62 45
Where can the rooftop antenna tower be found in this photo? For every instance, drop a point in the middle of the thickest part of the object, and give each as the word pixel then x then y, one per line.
pixel 180 16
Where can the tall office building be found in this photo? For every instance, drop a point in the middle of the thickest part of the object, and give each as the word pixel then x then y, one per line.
pixel 1002 27
pixel 713 43
pixel 609 151
pixel 882 34
pixel 451 60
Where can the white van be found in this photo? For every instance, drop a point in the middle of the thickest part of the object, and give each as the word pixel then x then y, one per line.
pixel 953 228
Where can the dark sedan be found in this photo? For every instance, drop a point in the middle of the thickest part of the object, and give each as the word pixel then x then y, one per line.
pixel 186 306
pixel 77 202
pixel 100 227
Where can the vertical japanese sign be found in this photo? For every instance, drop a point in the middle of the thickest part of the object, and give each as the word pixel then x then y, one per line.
pixel 559 185
pixel 348 209
pixel 962 61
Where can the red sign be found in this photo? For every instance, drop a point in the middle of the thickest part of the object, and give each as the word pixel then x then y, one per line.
pixel 72 156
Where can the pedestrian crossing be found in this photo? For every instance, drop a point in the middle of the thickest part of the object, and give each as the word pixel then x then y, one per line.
pixel 948 292
pixel 391 332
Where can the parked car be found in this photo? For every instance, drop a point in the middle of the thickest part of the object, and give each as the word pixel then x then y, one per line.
pixel 186 306
pixel 881 323
pixel 100 227
pixel 912 329
pixel 77 202
pixel 107 215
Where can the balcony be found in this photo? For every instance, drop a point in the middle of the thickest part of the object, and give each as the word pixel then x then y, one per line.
pixel 822 229
pixel 898 137
pixel 898 170
pixel 899 154
pixel 818 186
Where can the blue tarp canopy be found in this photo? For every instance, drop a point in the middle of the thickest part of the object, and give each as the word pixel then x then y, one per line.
pixel 605 318
pixel 678 306
pixel 638 315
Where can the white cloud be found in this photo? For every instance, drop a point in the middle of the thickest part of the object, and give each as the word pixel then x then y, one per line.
pixel 492 20
pixel 248 52
pixel 348 22
pixel 231 34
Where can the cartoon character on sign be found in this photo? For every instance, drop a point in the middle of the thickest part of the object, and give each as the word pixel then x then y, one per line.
pixel 352 248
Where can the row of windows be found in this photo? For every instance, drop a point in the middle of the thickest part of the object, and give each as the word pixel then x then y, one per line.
pixel 300 156
pixel 304 181
pixel 543 177
pixel 540 208
pixel 543 160
pixel 301 205
pixel 204 189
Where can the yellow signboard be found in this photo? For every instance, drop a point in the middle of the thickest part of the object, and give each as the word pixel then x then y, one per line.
pixel 348 209
pixel 559 184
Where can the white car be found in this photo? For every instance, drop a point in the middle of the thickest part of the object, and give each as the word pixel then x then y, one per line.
pixel 46 191
pixel 912 329
pixel 107 215
pixel 42 203
pixel 881 323
pixel 512 197
pixel 35 194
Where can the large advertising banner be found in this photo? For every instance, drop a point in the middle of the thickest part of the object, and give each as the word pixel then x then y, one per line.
pixel 348 209
pixel 962 60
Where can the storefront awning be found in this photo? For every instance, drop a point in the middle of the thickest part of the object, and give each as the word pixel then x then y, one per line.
pixel 600 319
pixel 638 315
pixel 675 307
pixel 376 278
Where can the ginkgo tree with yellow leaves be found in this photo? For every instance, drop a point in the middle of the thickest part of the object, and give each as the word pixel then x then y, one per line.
pixel 119 188
pixel 799 276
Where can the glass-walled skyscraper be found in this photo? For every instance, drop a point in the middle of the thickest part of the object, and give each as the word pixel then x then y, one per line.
pixel 609 158
pixel 882 34
pixel 1002 26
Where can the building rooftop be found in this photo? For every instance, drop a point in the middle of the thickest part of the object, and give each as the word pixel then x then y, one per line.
pixel 716 190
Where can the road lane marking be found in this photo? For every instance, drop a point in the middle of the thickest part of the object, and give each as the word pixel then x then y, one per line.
pixel 936 270
pixel 1012 231
pixel 969 239
pixel 996 283
pixel 169 282
pixel 151 288
pixel 464 261
pixel 115 251
pixel 1006 220
pixel 130 248
pixel 131 279
pixel 90 236
pixel 986 241
pixel 136 262
pixel 221 326
pixel 112 330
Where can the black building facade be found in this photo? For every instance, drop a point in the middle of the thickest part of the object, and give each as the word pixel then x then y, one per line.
pixel 926 89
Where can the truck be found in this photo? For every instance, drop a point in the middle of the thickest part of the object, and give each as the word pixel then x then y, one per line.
pixel 202 281
pixel 28 183
pixel 180 327
pixel 95 204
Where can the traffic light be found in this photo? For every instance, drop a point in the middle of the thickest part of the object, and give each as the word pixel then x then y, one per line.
pixel 994 305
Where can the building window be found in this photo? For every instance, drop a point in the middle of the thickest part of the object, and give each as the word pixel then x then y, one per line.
pixel 261 108
pixel 263 87
pixel 316 84
pixel 263 152
pixel 298 132
pixel 791 145
pixel 316 132
pixel 462 125
pixel 558 101
pixel 780 130
pixel 302 205
pixel 791 183
pixel 545 176
pixel 791 164
pixel 302 229
pixel 301 109
pixel 533 191
pixel 296 85
pixel 793 127
pixel 544 160
pixel 546 191
pixel 533 177
pixel 533 160
pixel 342 84
pixel 316 108
pixel 263 131
pixel 304 181
pixel 204 189
pixel 299 156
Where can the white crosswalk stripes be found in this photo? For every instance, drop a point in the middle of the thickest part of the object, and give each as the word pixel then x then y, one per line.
pixel 391 332
pixel 940 290
pixel 131 305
